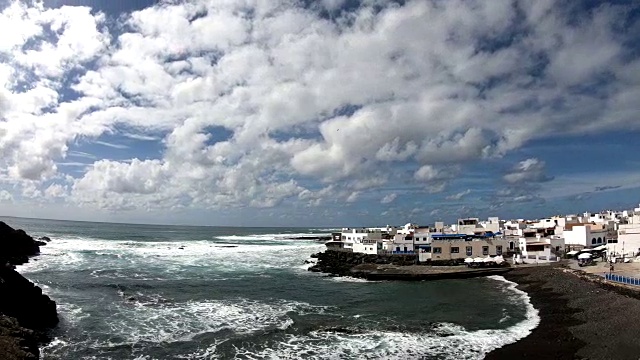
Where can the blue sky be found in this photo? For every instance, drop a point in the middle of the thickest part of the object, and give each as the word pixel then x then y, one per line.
pixel 322 113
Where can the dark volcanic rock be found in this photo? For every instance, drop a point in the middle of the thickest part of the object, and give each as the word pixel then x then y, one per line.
pixel 22 304
pixel 16 342
pixel 21 299
pixel 16 246
pixel 341 262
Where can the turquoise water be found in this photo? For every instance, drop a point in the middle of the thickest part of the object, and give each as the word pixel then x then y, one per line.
pixel 178 292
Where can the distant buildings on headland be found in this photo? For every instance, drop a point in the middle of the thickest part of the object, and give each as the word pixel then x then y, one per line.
pixel 541 240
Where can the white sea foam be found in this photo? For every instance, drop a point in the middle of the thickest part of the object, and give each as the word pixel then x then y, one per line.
pixel 121 258
pixel 350 279
pixel 445 341
pixel 270 237
pixel 56 343
pixel 182 321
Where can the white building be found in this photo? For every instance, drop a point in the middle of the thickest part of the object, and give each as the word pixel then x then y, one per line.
pixel 492 224
pixel 367 246
pixel 627 243
pixel 537 251
pixel 586 235
pixel 403 240
pixel 366 240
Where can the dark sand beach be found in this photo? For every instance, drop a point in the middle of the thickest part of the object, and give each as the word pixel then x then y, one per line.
pixel 579 319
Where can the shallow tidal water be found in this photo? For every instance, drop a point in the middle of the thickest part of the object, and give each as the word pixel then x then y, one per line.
pixel 178 292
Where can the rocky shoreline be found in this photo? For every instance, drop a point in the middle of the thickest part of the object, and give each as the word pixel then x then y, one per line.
pixel 26 314
pixel 393 267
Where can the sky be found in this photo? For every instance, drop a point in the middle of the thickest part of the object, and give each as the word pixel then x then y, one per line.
pixel 317 113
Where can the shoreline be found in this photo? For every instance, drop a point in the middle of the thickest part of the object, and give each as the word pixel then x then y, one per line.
pixel 579 319
pixel 26 313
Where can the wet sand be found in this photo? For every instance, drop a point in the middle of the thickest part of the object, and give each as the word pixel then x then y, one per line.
pixel 579 319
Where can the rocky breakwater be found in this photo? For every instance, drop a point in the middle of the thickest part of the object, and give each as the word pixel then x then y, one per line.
pixel 25 312
pixel 341 263
pixel 394 267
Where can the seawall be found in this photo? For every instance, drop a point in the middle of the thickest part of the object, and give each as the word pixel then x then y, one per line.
pixel 394 267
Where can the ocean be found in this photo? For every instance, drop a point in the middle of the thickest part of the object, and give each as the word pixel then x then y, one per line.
pixel 182 292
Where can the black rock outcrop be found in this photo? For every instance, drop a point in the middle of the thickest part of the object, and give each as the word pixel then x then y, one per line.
pixel 340 263
pixel 16 342
pixel 25 312
pixel 16 246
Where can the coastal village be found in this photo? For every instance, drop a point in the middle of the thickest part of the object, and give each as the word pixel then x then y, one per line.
pixel 607 237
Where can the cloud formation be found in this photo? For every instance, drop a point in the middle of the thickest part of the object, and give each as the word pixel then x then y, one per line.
pixel 531 170
pixel 261 103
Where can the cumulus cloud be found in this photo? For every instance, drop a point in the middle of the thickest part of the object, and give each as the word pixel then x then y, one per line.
pixel 55 191
pixel 435 178
pixel 5 196
pixel 258 103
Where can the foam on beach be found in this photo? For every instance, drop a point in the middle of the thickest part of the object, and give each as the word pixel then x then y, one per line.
pixel 442 341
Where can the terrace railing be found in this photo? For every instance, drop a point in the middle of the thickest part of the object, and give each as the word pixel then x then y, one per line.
pixel 627 280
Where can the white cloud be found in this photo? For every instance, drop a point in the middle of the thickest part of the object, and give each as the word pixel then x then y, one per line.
pixel 5 196
pixel 427 173
pixel 112 145
pixel 531 170
pixel 353 197
pixel 55 191
pixel 309 102
pixel 389 198
pixel 459 195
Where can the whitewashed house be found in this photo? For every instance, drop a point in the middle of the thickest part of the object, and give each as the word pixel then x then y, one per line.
pixel 537 251
pixel 585 235
pixel 627 242
pixel 366 240
pixel 403 240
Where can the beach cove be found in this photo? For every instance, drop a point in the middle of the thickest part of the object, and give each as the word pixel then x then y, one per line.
pixel 129 291
pixel 580 318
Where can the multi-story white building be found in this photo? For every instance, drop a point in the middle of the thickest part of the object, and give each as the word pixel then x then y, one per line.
pixel 627 242
pixel 365 240
pixel 586 235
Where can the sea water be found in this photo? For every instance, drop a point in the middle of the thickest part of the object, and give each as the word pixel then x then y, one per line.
pixel 178 292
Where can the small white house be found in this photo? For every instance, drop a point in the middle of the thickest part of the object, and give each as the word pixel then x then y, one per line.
pixel 536 251
pixel 367 246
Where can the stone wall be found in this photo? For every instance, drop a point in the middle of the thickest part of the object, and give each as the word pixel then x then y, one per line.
pixel 341 262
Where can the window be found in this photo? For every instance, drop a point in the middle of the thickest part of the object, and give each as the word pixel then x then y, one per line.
pixel 455 250
pixel 344 237
pixel 498 249
pixel 437 250
pixel 469 250
pixel 398 248
pixel 599 240
pixel 612 241
pixel 485 250
pixel 405 249
pixel 593 241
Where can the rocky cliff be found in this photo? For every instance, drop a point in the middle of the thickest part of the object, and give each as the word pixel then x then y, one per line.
pixel 25 312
